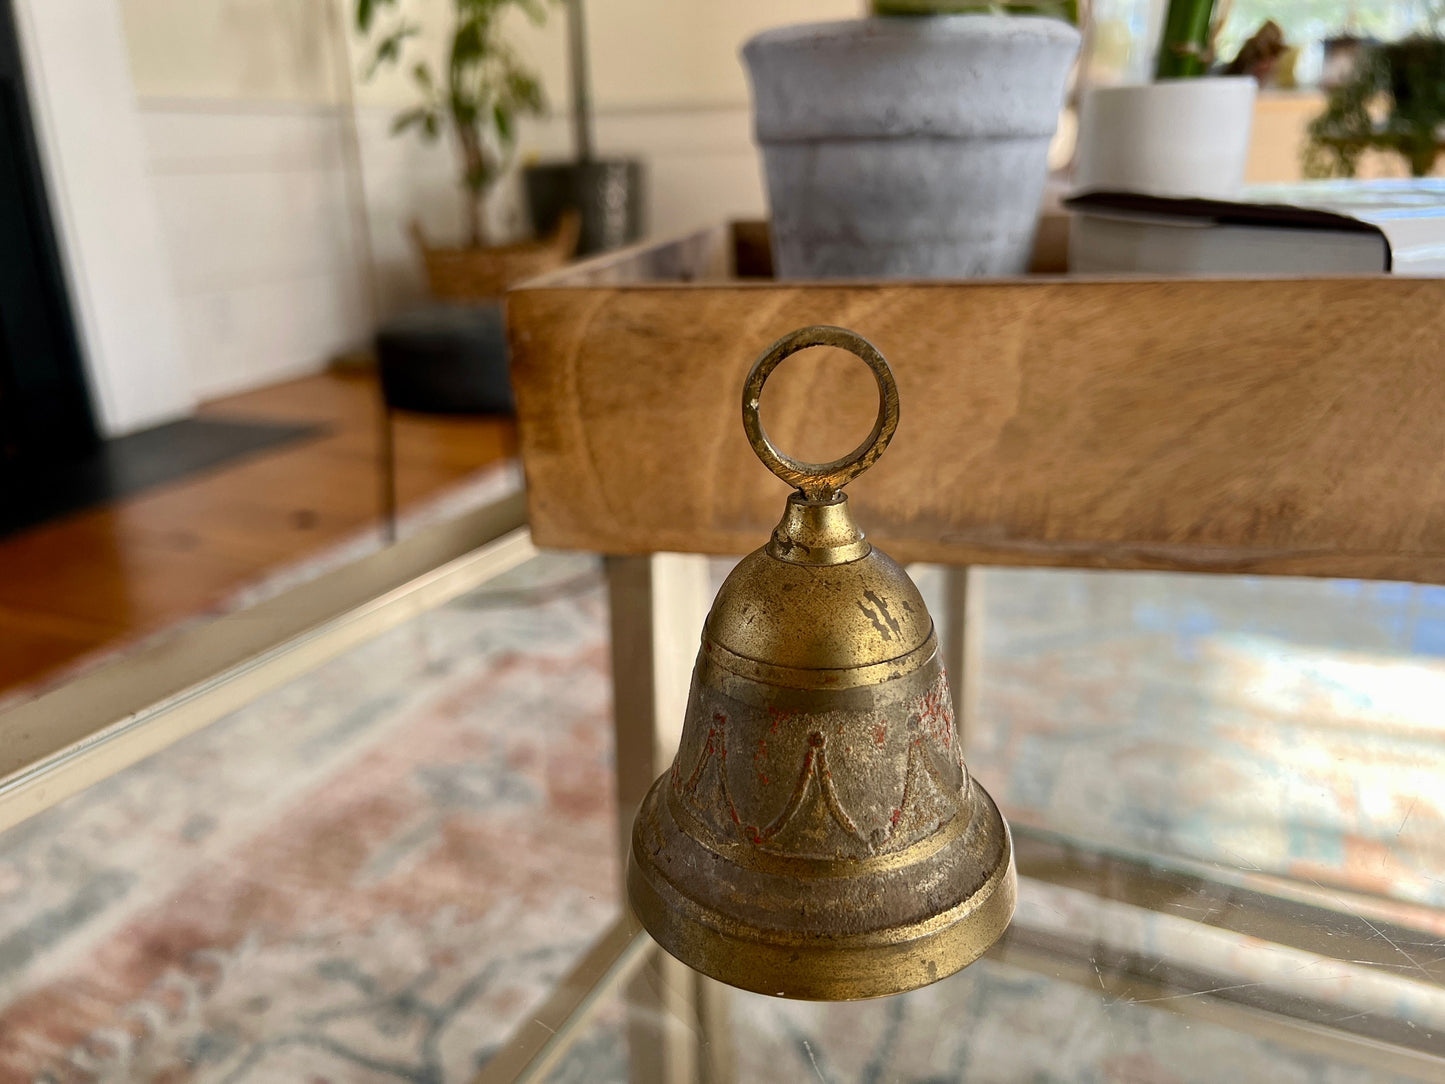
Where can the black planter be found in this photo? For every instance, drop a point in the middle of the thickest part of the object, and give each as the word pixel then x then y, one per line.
pixel 607 192
pixel 1417 77
pixel 1342 58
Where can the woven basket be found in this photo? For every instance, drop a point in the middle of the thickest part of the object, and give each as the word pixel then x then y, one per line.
pixel 471 274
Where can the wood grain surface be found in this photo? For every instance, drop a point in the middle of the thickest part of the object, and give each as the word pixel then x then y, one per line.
pixel 1283 426
pixel 112 574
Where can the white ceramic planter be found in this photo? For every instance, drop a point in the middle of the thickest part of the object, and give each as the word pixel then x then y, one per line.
pixel 907 147
pixel 1179 137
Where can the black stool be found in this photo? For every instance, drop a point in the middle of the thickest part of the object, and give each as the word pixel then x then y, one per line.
pixel 443 359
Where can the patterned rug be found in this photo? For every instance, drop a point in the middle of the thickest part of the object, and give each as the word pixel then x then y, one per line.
pixel 993 1023
pixel 1286 725
pixel 373 873
pixel 366 875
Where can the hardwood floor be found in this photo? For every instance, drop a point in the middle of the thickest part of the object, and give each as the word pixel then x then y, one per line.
pixel 79 584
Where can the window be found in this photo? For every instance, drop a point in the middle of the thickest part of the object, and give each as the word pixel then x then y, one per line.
pixel 1308 21
pixel 1126 31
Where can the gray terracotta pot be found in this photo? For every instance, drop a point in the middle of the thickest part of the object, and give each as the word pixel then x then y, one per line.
pixel 907 147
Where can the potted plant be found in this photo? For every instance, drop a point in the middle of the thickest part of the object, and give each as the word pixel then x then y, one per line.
pixel 912 143
pixel 1186 133
pixel 1393 100
pixel 606 193
pixel 478 96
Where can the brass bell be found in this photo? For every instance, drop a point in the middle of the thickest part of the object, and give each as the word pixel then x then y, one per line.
pixel 818 835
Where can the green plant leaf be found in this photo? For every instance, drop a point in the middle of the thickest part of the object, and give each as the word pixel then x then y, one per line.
pixel 366 12
pixel 469 42
pixel 388 50
pixel 412 117
pixel 1395 101
pixel 480 92
pixel 525 89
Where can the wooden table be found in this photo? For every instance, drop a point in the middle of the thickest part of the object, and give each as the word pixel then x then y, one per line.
pixel 1284 426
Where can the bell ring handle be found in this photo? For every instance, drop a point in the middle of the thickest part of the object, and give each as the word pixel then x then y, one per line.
pixel 819 481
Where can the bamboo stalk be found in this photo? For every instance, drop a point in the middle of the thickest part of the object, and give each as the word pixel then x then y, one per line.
pixel 1184 51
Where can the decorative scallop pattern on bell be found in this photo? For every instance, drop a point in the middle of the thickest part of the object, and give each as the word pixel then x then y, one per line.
pixel 818 835
pixel 795 799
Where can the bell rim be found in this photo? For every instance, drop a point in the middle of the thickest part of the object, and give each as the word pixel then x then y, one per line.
pixel 851 967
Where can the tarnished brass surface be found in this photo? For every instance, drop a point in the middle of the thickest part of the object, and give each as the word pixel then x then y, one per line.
pixel 818 835
pixel 817 481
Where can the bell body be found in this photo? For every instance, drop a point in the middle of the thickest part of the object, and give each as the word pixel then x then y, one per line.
pixel 818 835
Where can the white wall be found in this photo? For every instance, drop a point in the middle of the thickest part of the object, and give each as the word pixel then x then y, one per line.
pixel 265 263
pixel 252 270
pixel 105 210
pixel 701 167
pixel 242 104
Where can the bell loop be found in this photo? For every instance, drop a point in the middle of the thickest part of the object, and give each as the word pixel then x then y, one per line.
pixel 820 481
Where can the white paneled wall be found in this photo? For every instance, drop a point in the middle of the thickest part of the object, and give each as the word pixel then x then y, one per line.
pixel 244 140
pixel 261 239
pixel 265 266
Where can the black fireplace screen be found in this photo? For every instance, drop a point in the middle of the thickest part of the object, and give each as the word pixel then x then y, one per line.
pixel 45 409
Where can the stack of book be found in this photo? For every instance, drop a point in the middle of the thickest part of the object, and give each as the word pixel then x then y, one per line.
pixel 1312 228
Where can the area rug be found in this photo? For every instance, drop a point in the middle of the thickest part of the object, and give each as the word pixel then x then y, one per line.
pixel 1291 726
pixel 366 875
pixel 993 1023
